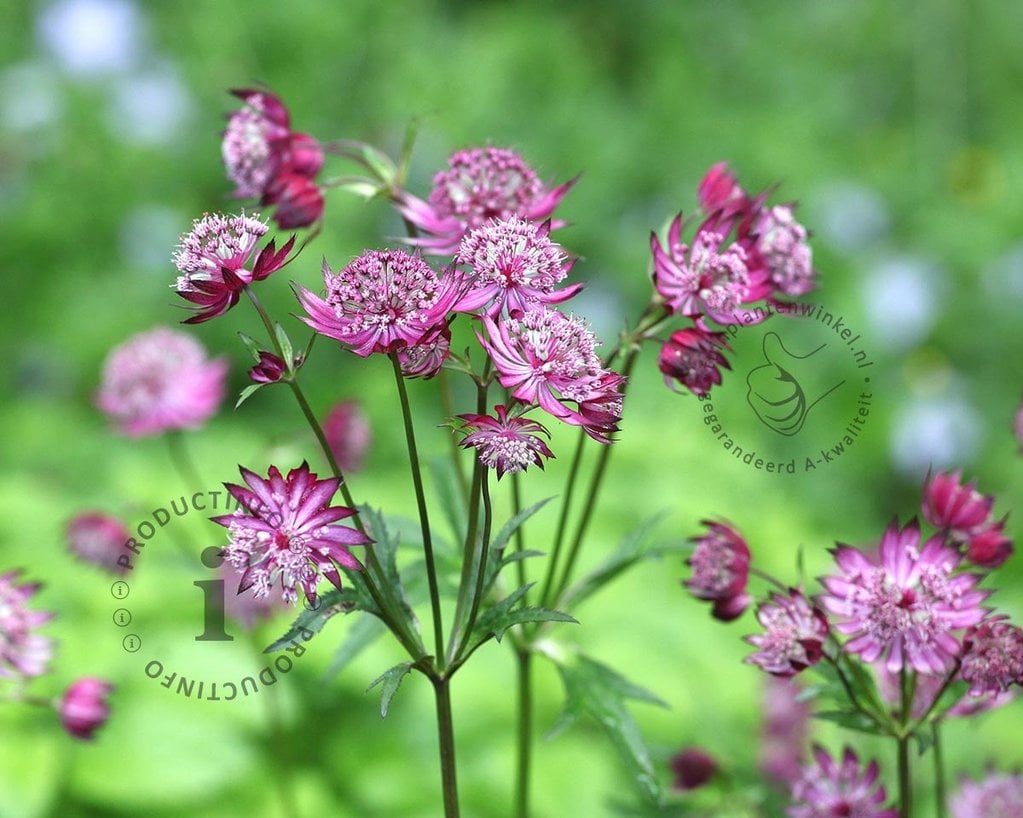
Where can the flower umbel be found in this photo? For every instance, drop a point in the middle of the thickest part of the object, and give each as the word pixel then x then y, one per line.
pixel 515 266
pixel 905 605
pixel 480 184
pixel 160 380
pixel 23 652
pixel 381 302
pixel 998 795
pixel 285 533
pixel 827 789
pixel 507 444
pixel 992 657
pixel 720 564
pixel 693 358
pixel 794 635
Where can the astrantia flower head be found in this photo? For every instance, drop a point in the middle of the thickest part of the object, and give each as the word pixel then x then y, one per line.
pixel 84 707
pixel 693 358
pixel 827 789
pixel 298 199
pixel 515 266
pixel 160 380
pixel 549 359
pixel 998 795
pixel 904 605
pixel 98 538
pixel 285 533
pixel 255 142
pixel 213 261
pixel 480 184
pixel 957 507
pixel 707 278
pixel 720 564
pixel 507 444
pixel 381 302
pixel 23 652
pixel 992 656
pixel 781 247
pixel 425 359
pixel 794 634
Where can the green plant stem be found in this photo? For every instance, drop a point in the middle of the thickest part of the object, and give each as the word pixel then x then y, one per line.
pixel 468 551
pixel 520 538
pixel 424 519
pixel 448 405
pixel 446 739
pixel 939 771
pixel 481 571
pixel 523 759
pixel 389 608
pixel 590 502
pixel 905 781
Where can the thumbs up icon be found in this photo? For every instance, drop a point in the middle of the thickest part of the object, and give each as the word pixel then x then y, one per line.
pixel 776 390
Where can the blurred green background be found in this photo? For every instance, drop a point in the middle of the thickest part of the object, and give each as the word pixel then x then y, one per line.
pixel 896 126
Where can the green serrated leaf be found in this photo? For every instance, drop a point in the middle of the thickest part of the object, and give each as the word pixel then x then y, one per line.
pixel 365 630
pixel 632 550
pixel 386 549
pixel 286 347
pixel 390 680
pixel 311 621
pixel 248 392
pixel 851 720
pixel 595 690
pixel 250 345
pixel 497 560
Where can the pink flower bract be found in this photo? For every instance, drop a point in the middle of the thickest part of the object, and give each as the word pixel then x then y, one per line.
pixel 285 532
pixel 160 380
pixel 904 605
pixel 693 358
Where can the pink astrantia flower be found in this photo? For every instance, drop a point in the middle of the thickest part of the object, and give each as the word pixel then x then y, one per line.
pixel 98 538
pixel 719 192
pixel 950 504
pixel 548 359
pixel 692 768
pixel 24 653
pixel 425 359
pixel 84 707
pixel 827 789
pixel 997 795
pixel 269 369
pixel 720 564
pixel 213 261
pixel 381 302
pixel 693 358
pixel 794 634
pixel 479 185
pixel 905 605
pixel 785 729
pixel 515 266
pixel 507 444
pixel 160 380
pixel 781 248
pixel 259 144
pixel 348 434
pixel 992 657
pixel 284 532
pixel 706 280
